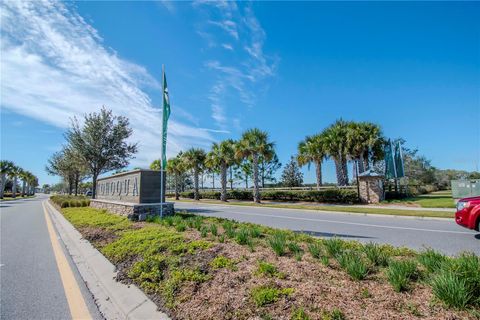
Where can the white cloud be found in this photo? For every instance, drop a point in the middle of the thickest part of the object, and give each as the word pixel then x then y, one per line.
pixel 227 46
pixel 228 26
pixel 54 67
pixel 245 72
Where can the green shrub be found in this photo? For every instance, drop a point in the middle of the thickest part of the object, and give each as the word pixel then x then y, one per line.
pixel 213 229
pixel 149 272
pixel 254 231
pixel 242 236
pixel 401 273
pixel 296 250
pixel 335 314
pixel 353 264
pixel 467 267
pixel 264 295
pixel 299 314
pixel 376 255
pixel 197 223
pixel 315 250
pixel 325 261
pixel 180 227
pixel 432 260
pixel 67 201
pixel 204 231
pixel 334 246
pixel 220 262
pixel 267 269
pixel 451 289
pixel 229 229
pixel 176 278
pixel 333 195
pixel 278 242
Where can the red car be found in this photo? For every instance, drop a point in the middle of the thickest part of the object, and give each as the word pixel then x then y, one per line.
pixel 468 213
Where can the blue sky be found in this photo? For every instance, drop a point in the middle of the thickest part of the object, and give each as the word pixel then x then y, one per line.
pixel 288 68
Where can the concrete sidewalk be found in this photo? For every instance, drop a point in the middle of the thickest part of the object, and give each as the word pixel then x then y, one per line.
pixel 115 300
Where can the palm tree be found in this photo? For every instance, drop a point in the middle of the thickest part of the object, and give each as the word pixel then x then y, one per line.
pixel 176 167
pixel 5 169
pixel 313 149
pixel 364 140
pixel 253 144
pixel 337 147
pixel 14 173
pixel 23 174
pixel 222 156
pixel 194 160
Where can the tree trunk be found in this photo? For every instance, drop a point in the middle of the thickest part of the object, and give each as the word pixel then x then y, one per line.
pixel 3 183
pixel 177 195
pixel 76 184
pixel 345 172
pixel 341 169
pixel 366 161
pixel 318 170
pixel 256 191
pixel 231 178
pixel 263 175
pixel 223 194
pixel 361 164
pixel 202 183
pixel 70 185
pixel 23 188
pixel 213 180
pixel 94 185
pixel 14 187
pixel 246 181
pixel 196 195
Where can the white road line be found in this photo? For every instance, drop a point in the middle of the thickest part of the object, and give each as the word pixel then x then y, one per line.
pixel 343 222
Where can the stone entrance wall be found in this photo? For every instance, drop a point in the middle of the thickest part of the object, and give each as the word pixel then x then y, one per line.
pixel 134 211
pixel 371 189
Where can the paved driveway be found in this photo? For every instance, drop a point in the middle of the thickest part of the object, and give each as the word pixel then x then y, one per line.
pixel 416 233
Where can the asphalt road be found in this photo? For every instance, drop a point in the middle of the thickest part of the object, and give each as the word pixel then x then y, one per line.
pixel 30 284
pixel 416 233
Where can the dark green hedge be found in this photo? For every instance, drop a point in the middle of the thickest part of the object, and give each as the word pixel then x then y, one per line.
pixel 328 195
pixel 66 201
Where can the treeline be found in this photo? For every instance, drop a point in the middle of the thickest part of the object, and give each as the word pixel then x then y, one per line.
pixel 10 176
pixel 361 142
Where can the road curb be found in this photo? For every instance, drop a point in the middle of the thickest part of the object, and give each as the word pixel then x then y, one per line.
pixel 115 300
pixel 320 211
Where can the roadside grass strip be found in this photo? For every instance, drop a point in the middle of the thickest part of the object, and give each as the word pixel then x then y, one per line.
pixel 210 268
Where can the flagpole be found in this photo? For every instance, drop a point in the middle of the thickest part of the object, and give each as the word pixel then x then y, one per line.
pixel 161 148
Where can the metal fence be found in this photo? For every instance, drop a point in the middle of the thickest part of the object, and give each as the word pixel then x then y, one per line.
pixel 465 188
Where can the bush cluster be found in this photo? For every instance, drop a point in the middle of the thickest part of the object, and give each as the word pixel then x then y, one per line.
pixel 66 201
pixel 327 196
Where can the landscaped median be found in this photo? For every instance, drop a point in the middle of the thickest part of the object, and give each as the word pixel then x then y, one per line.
pixel 210 268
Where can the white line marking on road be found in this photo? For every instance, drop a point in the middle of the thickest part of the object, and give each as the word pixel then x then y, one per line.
pixel 343 222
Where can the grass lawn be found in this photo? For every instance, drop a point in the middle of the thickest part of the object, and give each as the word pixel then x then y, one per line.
pixel 366 210
pixel 210 268
pixel 439 199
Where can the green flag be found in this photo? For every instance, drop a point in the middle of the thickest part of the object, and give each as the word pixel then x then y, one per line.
pixel 390 171
pixel 398 158
pixel 165 116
